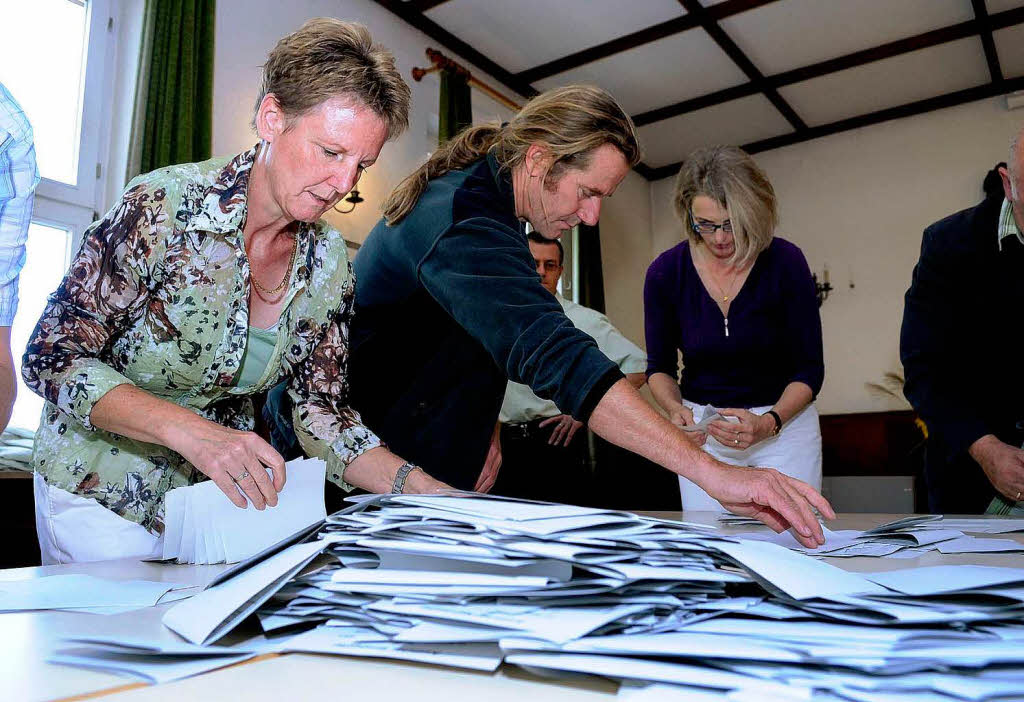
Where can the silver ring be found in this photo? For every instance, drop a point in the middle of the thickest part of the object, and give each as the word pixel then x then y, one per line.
pixel 736 441
pixel 243 476
pixel 1018 496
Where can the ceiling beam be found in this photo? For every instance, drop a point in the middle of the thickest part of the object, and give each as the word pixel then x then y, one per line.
pixel 647 35
pixel 424 5
pixel 438 33
pixel 987 42
pixel 911 109
pixel 726 44
pixel 924 40
pixel 594 53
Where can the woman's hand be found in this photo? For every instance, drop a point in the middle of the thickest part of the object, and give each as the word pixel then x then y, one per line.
pixel 769 496
pixel 565 428
pixel 682 416
pixel 751 429
pixel 233 460
pixel 419 482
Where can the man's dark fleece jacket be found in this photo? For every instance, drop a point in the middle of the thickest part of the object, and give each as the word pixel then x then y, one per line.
pixel 449 307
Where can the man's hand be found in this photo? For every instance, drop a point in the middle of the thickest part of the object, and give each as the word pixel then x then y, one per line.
pixel 772 497
pixel 1003 465
pixel 492 464
pixel 565 428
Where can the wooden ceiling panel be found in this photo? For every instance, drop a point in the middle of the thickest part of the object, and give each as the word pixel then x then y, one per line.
pixel 792 33
pixel 893 81
pixel 520 34
pixel 738 122
pixel 660 73
pixel 1000 5
pixel 1010 47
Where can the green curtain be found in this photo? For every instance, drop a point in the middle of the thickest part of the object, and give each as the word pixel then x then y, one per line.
pixel 588 255
pixel 456 109
pixel 178 122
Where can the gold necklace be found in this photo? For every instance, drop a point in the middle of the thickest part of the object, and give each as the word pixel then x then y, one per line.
pixel 721 291
pixel 287 273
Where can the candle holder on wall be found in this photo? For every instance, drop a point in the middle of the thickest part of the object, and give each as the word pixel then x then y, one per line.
pixel 823 288
pixel 353 198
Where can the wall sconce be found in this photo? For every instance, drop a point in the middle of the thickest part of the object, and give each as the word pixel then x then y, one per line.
pixel 354 198
pixel 823 288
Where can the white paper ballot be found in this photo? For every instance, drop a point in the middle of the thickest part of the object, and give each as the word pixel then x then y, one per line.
pixel 79 591
pixel 337 640
pixel 204 526
pixel 710 414
pixel 214 612
pixel 153 668
pixel 935 580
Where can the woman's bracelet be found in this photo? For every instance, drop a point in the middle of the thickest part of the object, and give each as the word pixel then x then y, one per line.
pixel 778 421
pixel 400 475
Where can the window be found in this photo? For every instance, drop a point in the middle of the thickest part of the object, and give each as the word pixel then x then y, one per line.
pixel 48 253
pixel 56 60
pixel 50 89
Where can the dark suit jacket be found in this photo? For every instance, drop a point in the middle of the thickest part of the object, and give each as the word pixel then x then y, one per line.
pixel 961 352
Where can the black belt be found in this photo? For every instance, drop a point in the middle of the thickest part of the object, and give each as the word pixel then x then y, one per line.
pixel 528 430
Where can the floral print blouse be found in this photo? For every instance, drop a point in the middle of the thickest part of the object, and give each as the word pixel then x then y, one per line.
pixel 157 297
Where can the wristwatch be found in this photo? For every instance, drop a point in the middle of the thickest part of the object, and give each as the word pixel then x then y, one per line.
pixel 400 475
pixel 778 422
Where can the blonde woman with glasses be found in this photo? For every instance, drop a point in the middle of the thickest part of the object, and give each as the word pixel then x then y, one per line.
pixel 740 304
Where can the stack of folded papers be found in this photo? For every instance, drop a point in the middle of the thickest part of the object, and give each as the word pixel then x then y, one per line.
pixel 203 526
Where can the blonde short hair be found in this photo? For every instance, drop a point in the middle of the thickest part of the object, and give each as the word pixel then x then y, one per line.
pixel 328 58
pixel 730 177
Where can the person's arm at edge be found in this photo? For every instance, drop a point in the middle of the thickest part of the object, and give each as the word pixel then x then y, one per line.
pixel 8 380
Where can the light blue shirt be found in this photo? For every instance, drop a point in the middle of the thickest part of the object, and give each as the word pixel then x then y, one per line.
pixel 18 179
pixel 522 405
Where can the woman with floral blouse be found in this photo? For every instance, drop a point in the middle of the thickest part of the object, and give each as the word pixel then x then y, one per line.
pixel 207 284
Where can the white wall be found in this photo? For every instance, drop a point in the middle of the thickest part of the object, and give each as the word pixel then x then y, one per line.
pixel 626 253
pixel 858 202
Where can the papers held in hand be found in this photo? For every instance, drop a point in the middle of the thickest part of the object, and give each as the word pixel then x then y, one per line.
pixel 709 414
pixel 203 526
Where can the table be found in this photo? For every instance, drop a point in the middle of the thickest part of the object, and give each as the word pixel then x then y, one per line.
pixel 26 638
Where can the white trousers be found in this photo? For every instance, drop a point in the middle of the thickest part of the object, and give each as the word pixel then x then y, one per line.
pixel 76 529
pixel 796 451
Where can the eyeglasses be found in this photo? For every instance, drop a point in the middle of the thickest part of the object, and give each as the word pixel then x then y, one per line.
pixel 708 228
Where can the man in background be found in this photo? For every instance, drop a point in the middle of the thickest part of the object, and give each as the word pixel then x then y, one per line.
pixel 543 452
pixel 18 179
pixel 960 351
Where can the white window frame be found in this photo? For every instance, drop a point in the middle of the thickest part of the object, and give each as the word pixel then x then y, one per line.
pixel 53 197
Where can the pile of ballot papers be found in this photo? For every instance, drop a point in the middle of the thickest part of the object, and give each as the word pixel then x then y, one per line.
pixel 667 608
pixel 909 537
